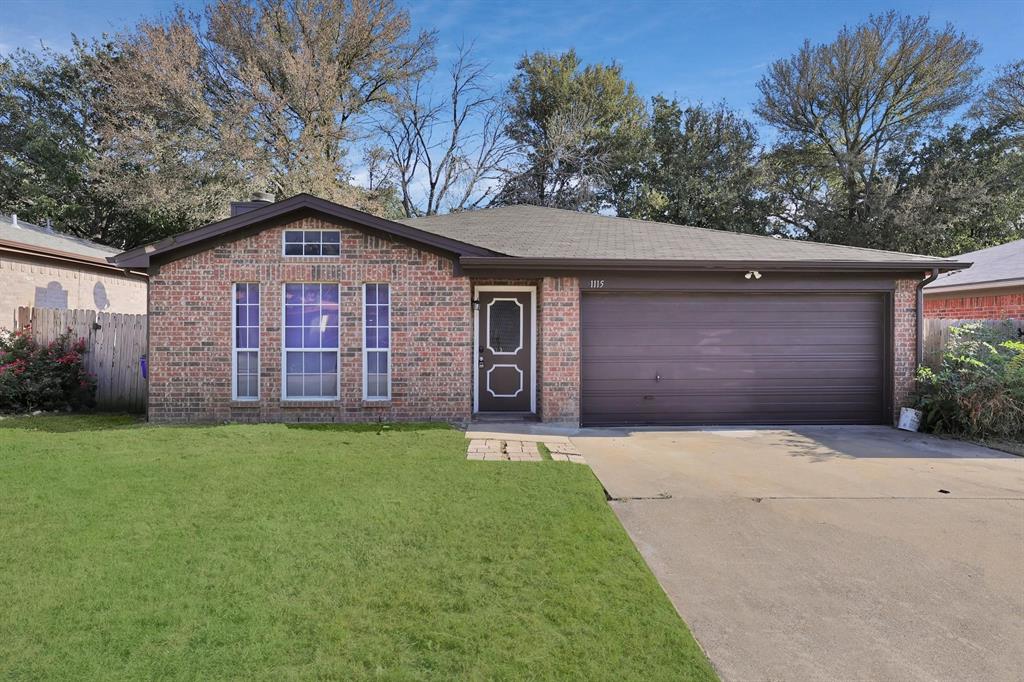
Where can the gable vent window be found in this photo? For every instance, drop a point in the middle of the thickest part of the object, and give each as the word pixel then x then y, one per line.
pixel 377 344
pixel 311 341
pixel 246 342
pixel 312 243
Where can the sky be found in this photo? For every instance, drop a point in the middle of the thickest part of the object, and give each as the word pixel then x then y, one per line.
pixel 695 51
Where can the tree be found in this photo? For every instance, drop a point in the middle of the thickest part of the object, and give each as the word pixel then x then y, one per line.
pixel 960 191
pixel 700 168
pixel 575 125
pixel 1003 100
pixel 47 143
pixel 447 154
pixel 843 107
pixel 268 95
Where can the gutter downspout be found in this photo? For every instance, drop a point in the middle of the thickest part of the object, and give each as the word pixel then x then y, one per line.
pixel 919 336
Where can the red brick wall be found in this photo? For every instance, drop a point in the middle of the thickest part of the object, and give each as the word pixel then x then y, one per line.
pixel 1001 305
pixel 905 336
pixel 190 330
pixel 559 356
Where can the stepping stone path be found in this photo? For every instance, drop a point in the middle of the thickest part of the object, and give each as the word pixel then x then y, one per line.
pixel 565 452
pixel 493 450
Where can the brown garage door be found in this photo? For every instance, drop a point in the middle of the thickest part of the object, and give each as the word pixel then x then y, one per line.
pixel 709 358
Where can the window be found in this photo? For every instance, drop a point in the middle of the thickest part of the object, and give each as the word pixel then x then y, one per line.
pixel 312 243
pixel 377 348
pixel 246 380
pixel 311 341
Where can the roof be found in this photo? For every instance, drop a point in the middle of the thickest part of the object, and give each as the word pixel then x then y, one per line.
pixel 995 266
pixel 547 239
pixel 140 257
pixel 537 232
pixel 47 241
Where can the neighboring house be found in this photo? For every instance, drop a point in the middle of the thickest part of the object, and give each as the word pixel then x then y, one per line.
pixel 993 288
pixel 47 269
pixel 304 310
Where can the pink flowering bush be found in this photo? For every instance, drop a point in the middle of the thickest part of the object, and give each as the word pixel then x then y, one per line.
pixel 43 377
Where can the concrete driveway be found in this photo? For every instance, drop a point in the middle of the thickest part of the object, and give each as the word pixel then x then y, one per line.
pixel 829 553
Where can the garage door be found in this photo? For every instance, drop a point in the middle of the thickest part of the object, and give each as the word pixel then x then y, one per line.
pixel 710 358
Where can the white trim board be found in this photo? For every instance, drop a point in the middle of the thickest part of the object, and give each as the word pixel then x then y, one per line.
pixel 532 290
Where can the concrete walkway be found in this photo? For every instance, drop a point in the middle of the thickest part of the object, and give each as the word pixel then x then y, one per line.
pixel 829 553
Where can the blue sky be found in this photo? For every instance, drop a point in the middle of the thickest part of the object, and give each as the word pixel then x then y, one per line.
pixel 696 51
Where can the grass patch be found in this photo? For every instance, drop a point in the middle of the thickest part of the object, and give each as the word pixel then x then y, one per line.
pixel 288 552
pixel 545 453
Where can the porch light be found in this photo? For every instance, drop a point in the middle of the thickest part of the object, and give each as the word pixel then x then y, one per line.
pixel 753 274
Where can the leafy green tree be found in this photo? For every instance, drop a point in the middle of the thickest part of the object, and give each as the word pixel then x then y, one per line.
pixel 700 167
pixel 1003 101
pixel 960 191
pixel 844 107
pixel 575 125
pixel 47 143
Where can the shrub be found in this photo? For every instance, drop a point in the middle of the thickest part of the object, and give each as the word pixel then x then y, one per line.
pixel 978 389
pixel 43 377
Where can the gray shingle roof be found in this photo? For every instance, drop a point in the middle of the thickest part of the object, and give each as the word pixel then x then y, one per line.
pixel 994 264
pixel 537 232
pixel 36 236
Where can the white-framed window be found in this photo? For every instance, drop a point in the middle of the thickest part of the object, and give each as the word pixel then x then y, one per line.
pixel 311 341
pixel 312 243
pixel 245 380
pixel 376 341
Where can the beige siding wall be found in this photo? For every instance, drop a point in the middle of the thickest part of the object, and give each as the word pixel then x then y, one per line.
pixel 25 281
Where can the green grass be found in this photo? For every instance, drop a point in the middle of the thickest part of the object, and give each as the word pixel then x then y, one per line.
pixel 286 552
pixel 545 452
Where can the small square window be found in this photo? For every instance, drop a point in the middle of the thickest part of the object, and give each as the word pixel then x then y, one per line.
pixel 312 243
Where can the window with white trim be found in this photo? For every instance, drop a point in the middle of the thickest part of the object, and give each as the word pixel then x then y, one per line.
pixel 311 341
pixel 312 243
pixel 377 342
pixel 246 342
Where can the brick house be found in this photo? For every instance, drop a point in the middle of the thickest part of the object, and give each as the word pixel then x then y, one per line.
pixel 305 310
pixel 45 268
pixel 992 289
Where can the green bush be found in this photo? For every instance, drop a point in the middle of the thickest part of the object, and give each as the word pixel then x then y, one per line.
pixel 978 389
pixel 43 377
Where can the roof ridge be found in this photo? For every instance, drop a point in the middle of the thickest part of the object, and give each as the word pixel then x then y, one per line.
pixel 55 233
pixel 1013 242
pixel 774 239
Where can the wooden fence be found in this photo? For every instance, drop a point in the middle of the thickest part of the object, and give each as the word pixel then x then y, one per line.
pixel 114 343
pixel 936 334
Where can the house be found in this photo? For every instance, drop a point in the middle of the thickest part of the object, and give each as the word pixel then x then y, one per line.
pixel 305 310
pixel 47 269
pixel 993 289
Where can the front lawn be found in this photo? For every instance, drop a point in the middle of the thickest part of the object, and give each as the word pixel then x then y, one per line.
pixel 272 551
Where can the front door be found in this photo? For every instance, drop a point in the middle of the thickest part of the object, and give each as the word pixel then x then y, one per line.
pixel 505 351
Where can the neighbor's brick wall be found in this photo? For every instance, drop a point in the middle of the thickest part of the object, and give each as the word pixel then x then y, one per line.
pixel 190 330
pixel 28 281
pixel 559 356
pixel 905 336
pixel 1004 305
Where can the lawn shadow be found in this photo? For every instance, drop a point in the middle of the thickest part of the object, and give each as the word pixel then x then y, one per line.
pixel 374 427
pixel 71 423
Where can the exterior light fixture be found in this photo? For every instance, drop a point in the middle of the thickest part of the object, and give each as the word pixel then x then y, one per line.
pixel 753 274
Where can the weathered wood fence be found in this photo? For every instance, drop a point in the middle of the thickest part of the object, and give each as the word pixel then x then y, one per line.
pixel 114 343
pixel 936 334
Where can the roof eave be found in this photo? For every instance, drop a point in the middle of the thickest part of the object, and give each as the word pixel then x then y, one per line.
pixel 476 264
pixel 973 286
pixel 58 255
pixel 140 257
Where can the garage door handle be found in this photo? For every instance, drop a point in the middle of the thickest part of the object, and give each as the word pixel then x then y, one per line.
pixel 657 377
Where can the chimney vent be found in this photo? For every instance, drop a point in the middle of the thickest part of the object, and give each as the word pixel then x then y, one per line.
pixel 258 200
